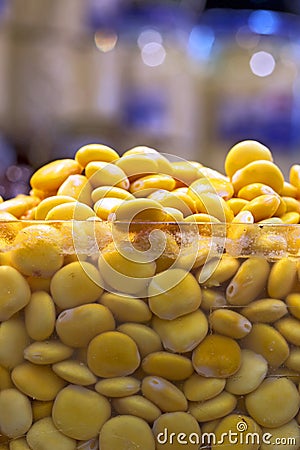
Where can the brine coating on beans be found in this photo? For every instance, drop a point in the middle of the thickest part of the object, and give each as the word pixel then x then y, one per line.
pixel 144 302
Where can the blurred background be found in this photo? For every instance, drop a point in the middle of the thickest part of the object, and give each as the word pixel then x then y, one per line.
pixel 188 77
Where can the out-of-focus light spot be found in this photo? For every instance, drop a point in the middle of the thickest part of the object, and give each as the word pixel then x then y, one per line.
pixel 201 41
pixel 105 40
pixel 245 38
pixel 263 22
pixel 153 54
pixel 14 173
pixel 262 64
pixel 148 36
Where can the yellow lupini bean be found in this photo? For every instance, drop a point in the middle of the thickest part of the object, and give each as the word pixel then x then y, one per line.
pixel 265 310
pixel 291 217
pixel 226 269
pixel 14 292
pixel 52 175
pixel 15 413
pixel 118 386
pixel 295 176
pixel 164 394
pixel 184 172
pixel 207 172
pixel 168 428
pixel 236 204
pixel 48 203
pixel 126 309
pixel 212 299
pixel 19 444
pixel 173 215
pixel 217 186
pixel 146 339
pixel 136 166
pixel 198 388
pixel 214 205
pixel 47 352
pixel 40 316
pixel 289 328
pixel 286 437
pixel 178 200
pixel 95 152
pixel 271 220
pixel 282 278
pixel 44 435
pixel 167 365
pixel 164 165
pixel 39 284
pixel 244 427
pixel 243 153
pixel 200 218
pixel 70 211
pixel 251 373
pixel 292 205
pixel 106 357
pixel 13 340
pixel 253 190
pixel 268 342
pixel 214 408
pixel 293 304
pixel 38 251
pixel 289 190
pixel 262 207
pixel 173 293
pixel 144 186
pixel 105 207
pixel 74 372
pixel 270 243
pixel 105 174
pixel 124 274
pixel 182 334
pixel 127 431
pixel 138 406
pixel 259 171
pixel 78 187
pixel 36 381
pixel 217 356
pixel 76 284
pixel 293 361
pixel 80 413
pixel 76 327
pixel 18 206
pixel 229 323
pixel 265 403
pixel 142 209
pixel 243 217
pixel 248 282
pixel 110 191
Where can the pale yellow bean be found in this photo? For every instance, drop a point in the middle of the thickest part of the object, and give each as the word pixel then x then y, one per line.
pixel 182 334
pixel 125 308
pixel 248 282
pixel 146 338
pixel 243 153
pixel 53 174
pixel 110 191
pixel 293 361
pixel 282 278
pixel 76 327
pixel 105 174
pixel 38 382
pixel 212 299
pixel 225 270
pixel 168 429
pixel 138 406
pixel 44 435
pixel 268 342
pixel 40 316
pixel 50 202
pixel 289 328
pixel 229 323
pixel 118 386
pixel 136 166
pixel 260 171
pixel 5 380
pixel 251 373
pixel 41 409
pixel 170 366
pixel 19 444
pixel 95 152
pixel 74 372
pixel 78 187
pixel 15 413
pixel 265 403
pixel 265 310
pixel 14 292
pixel 106 207
pixel 127 431
pixel 198 388
pixel 214 408
pixel 13 340
pixel 70 211
pixel 80 413
pixel 240 429
pixel 47 352
pixel 164 394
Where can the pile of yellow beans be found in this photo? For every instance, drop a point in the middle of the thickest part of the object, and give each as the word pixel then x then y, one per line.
pixel 151 304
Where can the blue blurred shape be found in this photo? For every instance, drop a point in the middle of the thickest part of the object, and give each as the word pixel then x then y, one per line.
pixel 263 22
pixel 201 41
